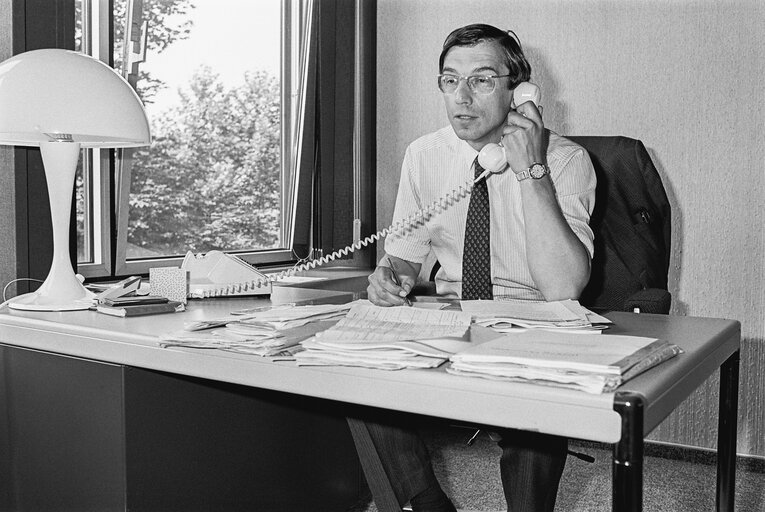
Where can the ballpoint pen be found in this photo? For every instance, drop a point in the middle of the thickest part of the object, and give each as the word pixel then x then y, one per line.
pixel 398 281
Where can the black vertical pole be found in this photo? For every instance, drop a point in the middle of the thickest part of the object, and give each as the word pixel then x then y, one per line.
pixel 628 454
pixel 726 434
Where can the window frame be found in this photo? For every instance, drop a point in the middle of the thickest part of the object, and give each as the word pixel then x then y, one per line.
pixel 97 163
pixel 109 230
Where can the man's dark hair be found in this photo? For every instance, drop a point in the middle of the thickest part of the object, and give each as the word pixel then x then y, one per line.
pixel 471 35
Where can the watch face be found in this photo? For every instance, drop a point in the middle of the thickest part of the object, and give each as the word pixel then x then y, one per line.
pixel 537 171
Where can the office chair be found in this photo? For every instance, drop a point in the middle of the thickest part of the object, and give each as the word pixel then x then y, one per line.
pixel 632 226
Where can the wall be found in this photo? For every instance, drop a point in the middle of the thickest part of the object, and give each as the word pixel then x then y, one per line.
pixel 684 77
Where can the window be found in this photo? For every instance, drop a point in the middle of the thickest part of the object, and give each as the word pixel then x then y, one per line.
pixel 220 80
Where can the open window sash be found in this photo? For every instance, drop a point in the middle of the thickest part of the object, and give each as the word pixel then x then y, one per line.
pixel 298 75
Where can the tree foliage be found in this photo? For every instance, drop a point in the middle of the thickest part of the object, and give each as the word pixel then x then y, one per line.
pixel 212 177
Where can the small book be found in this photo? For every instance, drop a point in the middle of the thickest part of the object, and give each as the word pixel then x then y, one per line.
pixel 134 300
pixel 141 309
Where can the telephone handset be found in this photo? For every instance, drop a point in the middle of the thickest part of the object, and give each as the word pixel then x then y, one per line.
pixel 217 274
pixel 526 91
pixel 492 156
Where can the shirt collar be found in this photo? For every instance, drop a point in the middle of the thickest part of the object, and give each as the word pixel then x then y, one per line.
pixel 460 147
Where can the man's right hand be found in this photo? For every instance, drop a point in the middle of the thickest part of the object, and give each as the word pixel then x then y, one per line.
pixel 383 290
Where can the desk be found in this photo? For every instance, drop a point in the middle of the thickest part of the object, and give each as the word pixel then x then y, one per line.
pixel 621 418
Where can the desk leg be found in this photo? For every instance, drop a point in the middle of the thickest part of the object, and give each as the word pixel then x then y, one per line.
pixel 726 434
pixel 628 455
pixel 377 479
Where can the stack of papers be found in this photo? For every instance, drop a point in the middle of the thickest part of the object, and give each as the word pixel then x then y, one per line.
pixel 269 331
pixel 388 338
pixel 513 315
pixel 270 345
pixel 591 363
pixel 288 316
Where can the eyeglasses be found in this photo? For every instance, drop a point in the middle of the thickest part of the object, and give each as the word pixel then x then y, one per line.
pixel 479 84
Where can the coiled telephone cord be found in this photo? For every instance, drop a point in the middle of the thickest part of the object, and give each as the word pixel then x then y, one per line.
pixel 419 217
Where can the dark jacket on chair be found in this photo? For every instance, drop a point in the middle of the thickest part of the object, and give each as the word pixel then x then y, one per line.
pixel 632 227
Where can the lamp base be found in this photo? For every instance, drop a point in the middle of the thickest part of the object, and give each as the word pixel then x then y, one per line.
pixel 62 290
pixel 37 301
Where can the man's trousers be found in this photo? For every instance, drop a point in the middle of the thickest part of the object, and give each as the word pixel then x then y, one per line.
pixel 531 464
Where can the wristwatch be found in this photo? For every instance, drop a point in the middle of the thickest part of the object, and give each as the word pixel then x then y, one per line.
pixel 536 171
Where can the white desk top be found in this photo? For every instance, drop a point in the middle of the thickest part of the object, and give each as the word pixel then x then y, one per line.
pixel 133 342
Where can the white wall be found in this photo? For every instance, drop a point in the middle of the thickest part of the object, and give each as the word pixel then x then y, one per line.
pixel 685 78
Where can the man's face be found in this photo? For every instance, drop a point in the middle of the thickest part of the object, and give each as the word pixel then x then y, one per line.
pixel 477 118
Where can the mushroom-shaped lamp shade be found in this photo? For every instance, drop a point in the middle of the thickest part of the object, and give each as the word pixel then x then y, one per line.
pixel 62 101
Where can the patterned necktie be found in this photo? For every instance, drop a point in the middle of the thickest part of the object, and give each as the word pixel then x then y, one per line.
pixel 476 256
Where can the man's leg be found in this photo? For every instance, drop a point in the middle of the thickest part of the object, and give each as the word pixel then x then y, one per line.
pixel 406 461
pixel 531 466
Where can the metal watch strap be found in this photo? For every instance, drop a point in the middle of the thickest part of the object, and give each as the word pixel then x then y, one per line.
pixel 520 176
pixel 527 173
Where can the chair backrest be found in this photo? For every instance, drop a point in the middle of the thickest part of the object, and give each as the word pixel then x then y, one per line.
pixel 631 222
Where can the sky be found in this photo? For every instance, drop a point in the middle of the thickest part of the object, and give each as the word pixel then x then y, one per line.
pixel 230 36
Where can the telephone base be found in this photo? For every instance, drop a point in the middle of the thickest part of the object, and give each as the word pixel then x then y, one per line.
pixel 217 274
pixel 220 291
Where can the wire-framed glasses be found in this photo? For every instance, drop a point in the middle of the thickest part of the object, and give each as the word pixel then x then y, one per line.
pixel 479 84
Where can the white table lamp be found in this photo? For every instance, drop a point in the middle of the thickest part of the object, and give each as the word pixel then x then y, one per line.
pixel 63 101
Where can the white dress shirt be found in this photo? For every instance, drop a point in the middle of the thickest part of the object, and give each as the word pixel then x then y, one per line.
pixel 439 163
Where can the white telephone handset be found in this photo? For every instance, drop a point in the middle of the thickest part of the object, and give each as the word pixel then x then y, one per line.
pixel 526 91
pixel 492 156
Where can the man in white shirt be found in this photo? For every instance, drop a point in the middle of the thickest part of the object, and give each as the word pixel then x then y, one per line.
pixel 522 233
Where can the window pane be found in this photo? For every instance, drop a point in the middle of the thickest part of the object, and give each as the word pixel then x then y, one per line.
pixel 212 178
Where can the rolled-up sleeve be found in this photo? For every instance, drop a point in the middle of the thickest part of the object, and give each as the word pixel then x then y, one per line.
pixel 575 182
